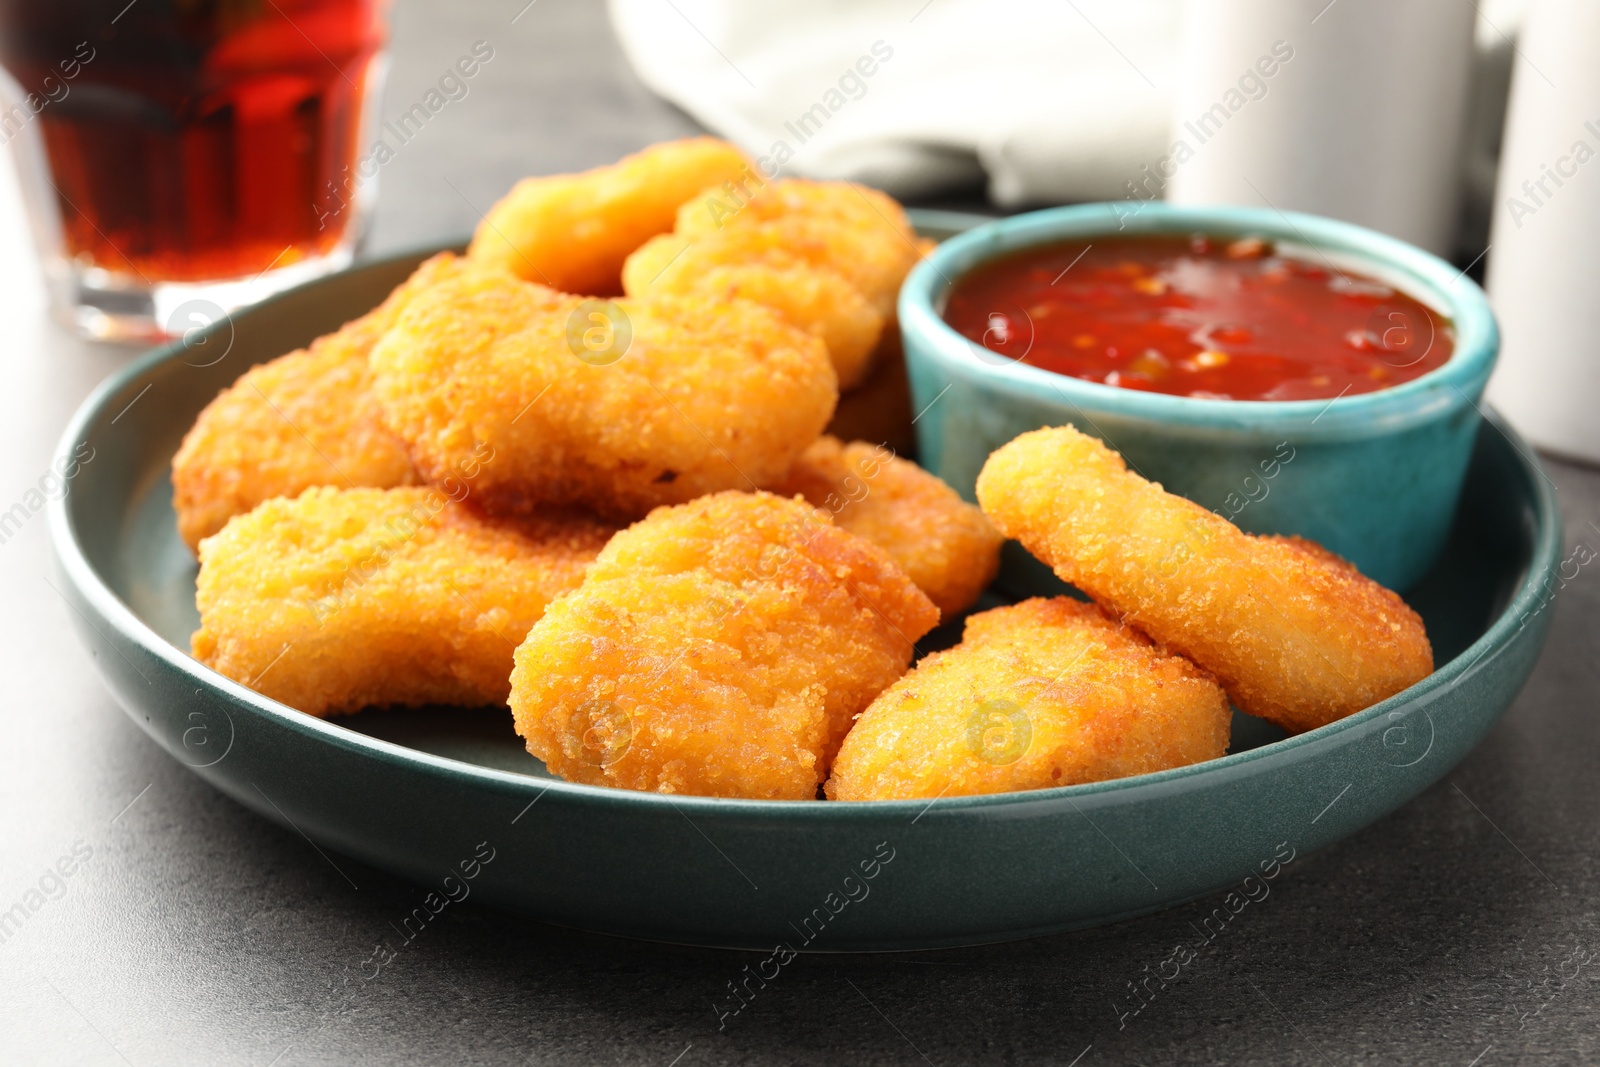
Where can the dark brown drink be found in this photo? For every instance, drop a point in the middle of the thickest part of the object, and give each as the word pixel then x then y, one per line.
pixel 194 140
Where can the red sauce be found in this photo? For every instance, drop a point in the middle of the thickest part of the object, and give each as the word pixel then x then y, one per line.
pixel 1216 318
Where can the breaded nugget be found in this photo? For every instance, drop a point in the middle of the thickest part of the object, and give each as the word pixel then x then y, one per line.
pixel 343 598
pixel 717 648
pixel 1038 694
pixel 682 397
pixel 815 298
pixel 849 205
pixel 1295 635
pixel 304 419
pixel 862 233
pixel 827 256
pixel 943 543
pixel 572 231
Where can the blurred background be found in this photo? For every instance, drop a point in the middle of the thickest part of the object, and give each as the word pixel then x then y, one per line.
pixel 999 105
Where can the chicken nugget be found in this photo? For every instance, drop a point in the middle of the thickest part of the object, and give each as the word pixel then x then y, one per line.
pixel 847 204
pixel 815 298
pixel 717 648
pixel 944 544
pixel 827 256
pixel 1295 635
pixel 303 419
pixel 343 598
pixel 619 407
pixel 1043 693
pixel 862 233
pixel 572 231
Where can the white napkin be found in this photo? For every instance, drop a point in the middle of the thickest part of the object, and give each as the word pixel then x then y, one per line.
pixel 1051 99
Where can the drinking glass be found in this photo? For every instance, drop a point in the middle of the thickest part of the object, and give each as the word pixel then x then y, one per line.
pixel 180 158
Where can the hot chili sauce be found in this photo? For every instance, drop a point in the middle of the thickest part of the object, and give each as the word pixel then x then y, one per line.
pixel 1214 318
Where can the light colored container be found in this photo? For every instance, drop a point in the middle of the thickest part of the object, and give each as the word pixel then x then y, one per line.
pixel 1544 241
pixel 1352 109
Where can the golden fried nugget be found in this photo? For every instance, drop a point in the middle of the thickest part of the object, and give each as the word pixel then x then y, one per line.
pixel 1038 694
pixel 1295 635
pixel 848 204
pixel 944 544
pixel 683 395
pixel 855 231
pixel 827 256
pixel 304 419
pixel 815 298
pixel 717 648
pixel 572 231
pixel 343 598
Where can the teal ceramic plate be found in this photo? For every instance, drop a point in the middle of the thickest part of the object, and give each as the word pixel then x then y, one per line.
pixel 431 795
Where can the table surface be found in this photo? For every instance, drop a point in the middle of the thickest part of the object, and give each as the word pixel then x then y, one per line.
pixel 1454 931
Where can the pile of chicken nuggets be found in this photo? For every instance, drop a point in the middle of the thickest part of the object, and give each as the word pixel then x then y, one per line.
pixel 584 471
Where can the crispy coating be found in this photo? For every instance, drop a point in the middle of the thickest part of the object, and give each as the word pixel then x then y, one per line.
pixel 1038 694
pixel 943 543
pixel 303 419
pixel 717 648
pixel 1295 634
pixel 572 231
pixel 862 233
pixel 827 256
pixel 343 598
pixel 815 298
pixel 849 203
pixel 705 396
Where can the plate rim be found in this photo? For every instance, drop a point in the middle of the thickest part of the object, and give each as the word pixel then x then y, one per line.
pixel 95 592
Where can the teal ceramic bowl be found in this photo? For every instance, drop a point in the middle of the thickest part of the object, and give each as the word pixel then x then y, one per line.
pixel 427 794
pixel 1373 477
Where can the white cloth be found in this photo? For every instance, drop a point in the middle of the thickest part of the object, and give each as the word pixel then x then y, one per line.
pixel 1051 99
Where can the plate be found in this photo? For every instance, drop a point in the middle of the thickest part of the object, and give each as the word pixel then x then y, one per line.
pixel 448 799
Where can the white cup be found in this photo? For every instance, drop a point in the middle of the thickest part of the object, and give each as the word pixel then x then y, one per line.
pixel 1352 109
pixel 1544 241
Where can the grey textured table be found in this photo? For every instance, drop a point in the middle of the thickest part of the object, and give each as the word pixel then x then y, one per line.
pixel 1460 930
